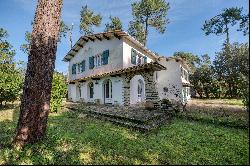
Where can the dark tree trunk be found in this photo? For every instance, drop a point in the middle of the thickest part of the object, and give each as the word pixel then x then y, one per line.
pixel 35 101
pixel 146 32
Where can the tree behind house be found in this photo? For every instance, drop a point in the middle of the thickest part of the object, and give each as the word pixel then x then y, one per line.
pixel 221 23
pixel 148 13
pixel 88 20
pixel 115 24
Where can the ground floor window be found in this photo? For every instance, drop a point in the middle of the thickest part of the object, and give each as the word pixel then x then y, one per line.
pixel 108 89
pixel 91 90
pixel 140 88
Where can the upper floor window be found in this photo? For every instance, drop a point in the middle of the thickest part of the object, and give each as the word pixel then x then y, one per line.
pixel 99 59
pixel 82 66
pixel 133 56
pixel 184 74
pixel 74 69
pixel 137 58
pixel 78 68
pixel 105 57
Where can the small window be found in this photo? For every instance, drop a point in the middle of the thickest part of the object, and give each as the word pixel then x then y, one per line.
pixel 105 57
pixel 133 56
pixel 83 66
pixel 139 60
pixel 91 90
pixel 74 69
pixel 79 68
pixel 145 59
pixel 91 62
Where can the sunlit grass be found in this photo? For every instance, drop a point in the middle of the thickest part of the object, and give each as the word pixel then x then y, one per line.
pixel 80 140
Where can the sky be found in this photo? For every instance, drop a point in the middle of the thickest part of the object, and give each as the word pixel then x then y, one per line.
pixel 183 33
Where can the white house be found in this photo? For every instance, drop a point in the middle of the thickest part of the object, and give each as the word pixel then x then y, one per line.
pixel 114 68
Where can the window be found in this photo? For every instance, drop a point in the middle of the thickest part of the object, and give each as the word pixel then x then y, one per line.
pixel 133 56
pixel 145 59
pixel 138 60
pixel 105 56
pixel 83 66
pixel 140 86
pixel 91 90
pixel 74 69
pixel 91 62
pixel 79 68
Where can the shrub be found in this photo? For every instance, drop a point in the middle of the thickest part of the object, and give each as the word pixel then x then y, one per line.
pixel 166 101
pixel 59 89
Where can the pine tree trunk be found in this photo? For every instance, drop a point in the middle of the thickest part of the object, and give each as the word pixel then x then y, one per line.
pixel 35 101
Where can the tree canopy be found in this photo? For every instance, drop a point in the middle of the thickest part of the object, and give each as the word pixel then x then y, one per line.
pixel 115 24
pixel 148 13
pixel 64 29
pixel 11 78
pixel 220 24
pixel 88 20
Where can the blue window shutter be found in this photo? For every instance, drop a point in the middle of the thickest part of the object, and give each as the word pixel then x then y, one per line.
pixel 133 56
pixel 83 66
pixel 91 62
pixel 74 69
pixel 105 57
pixel 145 59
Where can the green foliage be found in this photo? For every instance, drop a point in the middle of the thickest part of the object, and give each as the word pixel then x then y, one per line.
pixel 137 30
pixel 58 92
pixel 204 80
pixel 192 60
pixel 11 78
pixel 115 24
pixel 88 20
pixel 148 13
pixel 220 24
pixel 76 140
pixel 244 24
pixel 231 66
pixel 64 29
pixel 166 101
pixel 26 47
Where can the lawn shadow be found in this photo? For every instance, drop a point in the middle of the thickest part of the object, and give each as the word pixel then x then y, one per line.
pixel 74 140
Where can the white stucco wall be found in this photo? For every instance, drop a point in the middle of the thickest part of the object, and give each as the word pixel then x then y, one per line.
pixel 97 47
pixel 134 89
pixel 169 79
pixel 127 46
pixel 98 90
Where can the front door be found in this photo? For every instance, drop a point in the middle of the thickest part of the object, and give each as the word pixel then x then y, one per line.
pixel 107 91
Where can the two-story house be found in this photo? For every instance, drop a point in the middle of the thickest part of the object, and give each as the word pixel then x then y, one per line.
pixel 114 68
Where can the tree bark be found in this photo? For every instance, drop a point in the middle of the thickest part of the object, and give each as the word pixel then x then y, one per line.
pixel 227 33
pixel 35 101
pixel 146 32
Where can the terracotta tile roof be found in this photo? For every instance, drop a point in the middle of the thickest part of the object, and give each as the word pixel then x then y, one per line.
pixel 107 36
pixel 155 66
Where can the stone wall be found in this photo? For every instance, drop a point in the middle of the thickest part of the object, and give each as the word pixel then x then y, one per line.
pixel 151 93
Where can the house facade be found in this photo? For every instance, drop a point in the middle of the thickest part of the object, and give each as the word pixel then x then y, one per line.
pixel 114 68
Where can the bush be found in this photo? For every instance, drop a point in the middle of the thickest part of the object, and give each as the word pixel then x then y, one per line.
pixel 59 89
pixel 166 101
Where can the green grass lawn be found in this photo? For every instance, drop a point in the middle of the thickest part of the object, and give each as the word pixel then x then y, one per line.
pixel 74 140
pixel 236 102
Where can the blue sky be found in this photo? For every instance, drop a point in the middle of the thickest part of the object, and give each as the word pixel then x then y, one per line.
pixel 183 32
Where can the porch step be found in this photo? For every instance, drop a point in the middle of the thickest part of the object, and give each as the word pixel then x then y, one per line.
pixel 139 119
pixel 133 124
